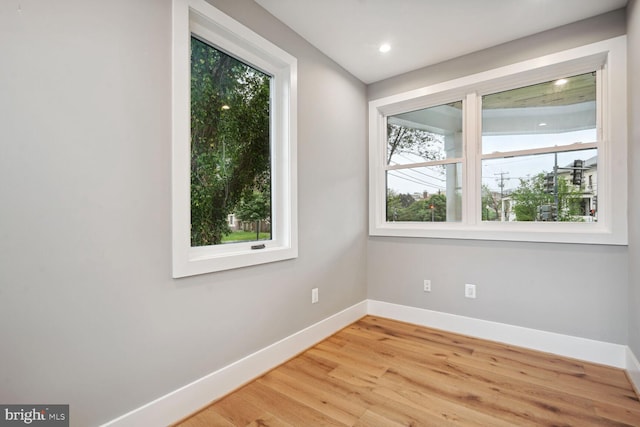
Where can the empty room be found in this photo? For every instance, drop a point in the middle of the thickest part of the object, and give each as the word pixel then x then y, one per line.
pixel 340 212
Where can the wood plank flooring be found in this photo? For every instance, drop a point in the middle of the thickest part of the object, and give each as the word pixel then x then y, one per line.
pixel 380 372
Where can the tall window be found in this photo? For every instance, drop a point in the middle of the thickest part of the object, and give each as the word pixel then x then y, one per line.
pixel 533 151
pixel 538 142
pixel 424 164
pixel 230 148
pixel 234 144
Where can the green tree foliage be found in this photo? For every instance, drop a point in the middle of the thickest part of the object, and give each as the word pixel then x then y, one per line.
pixel 491 204
pixel 403 207
pixel 401 139
pixel 530 197
pixel 397 203
pixel 229 139
pixel 254 207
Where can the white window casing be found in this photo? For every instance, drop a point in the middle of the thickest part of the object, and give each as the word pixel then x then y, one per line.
pixel 607 58
pixel 210 24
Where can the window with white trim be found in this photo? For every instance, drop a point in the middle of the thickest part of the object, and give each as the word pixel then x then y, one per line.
pixel 234 144
pixel 508 154
pixel 537 143
pixel 424 163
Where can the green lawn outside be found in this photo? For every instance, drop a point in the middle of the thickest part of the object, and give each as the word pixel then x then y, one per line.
pixel 244 236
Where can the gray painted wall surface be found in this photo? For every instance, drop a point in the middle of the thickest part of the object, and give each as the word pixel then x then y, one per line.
pixel 633 32
pixel 601 27
pixel 579 290
pixel 569 289
pixel 89 314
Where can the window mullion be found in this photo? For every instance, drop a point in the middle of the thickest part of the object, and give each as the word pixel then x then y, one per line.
pixel 505 137
pixel 472 179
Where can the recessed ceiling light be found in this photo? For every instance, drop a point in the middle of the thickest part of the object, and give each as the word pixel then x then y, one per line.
pixel 561 82
pixel 384 47
pixel 542 124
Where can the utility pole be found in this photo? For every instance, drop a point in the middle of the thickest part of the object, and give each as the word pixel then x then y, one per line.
pixel 501 185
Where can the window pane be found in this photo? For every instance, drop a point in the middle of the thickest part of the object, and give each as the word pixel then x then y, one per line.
pixel 526 188
pixel 230 149
pixel 425 135
pixel 554 113
pixel 422 194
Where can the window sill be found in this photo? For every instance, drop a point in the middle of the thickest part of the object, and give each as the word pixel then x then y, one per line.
pixel 579 233
pixel 201 260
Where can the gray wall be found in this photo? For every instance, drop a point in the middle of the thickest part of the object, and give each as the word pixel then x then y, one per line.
pixel 602 27
pixel 89 314
pixel 580 290
pixel 633 32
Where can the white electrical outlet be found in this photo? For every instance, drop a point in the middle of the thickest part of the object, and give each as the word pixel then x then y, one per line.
pixel 469 291
pixel 427 285
pixel 314 295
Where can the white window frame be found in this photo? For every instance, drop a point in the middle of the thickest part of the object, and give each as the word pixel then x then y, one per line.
pixel 208 23
pixel 608 56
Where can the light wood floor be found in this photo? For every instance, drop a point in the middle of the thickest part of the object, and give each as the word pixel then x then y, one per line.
pixel 380 372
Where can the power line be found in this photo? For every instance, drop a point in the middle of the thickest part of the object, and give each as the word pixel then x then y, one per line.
pixel 413 180
pixel 416 171
pixel 419 172
pixel 407 177
pixel 422 173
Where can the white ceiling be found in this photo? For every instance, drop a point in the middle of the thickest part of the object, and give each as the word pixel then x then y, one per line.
pixel 421 32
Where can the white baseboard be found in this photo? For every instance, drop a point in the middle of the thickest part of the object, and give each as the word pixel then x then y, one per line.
pixel 633 369
pixel 192 397
pixel 563 345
